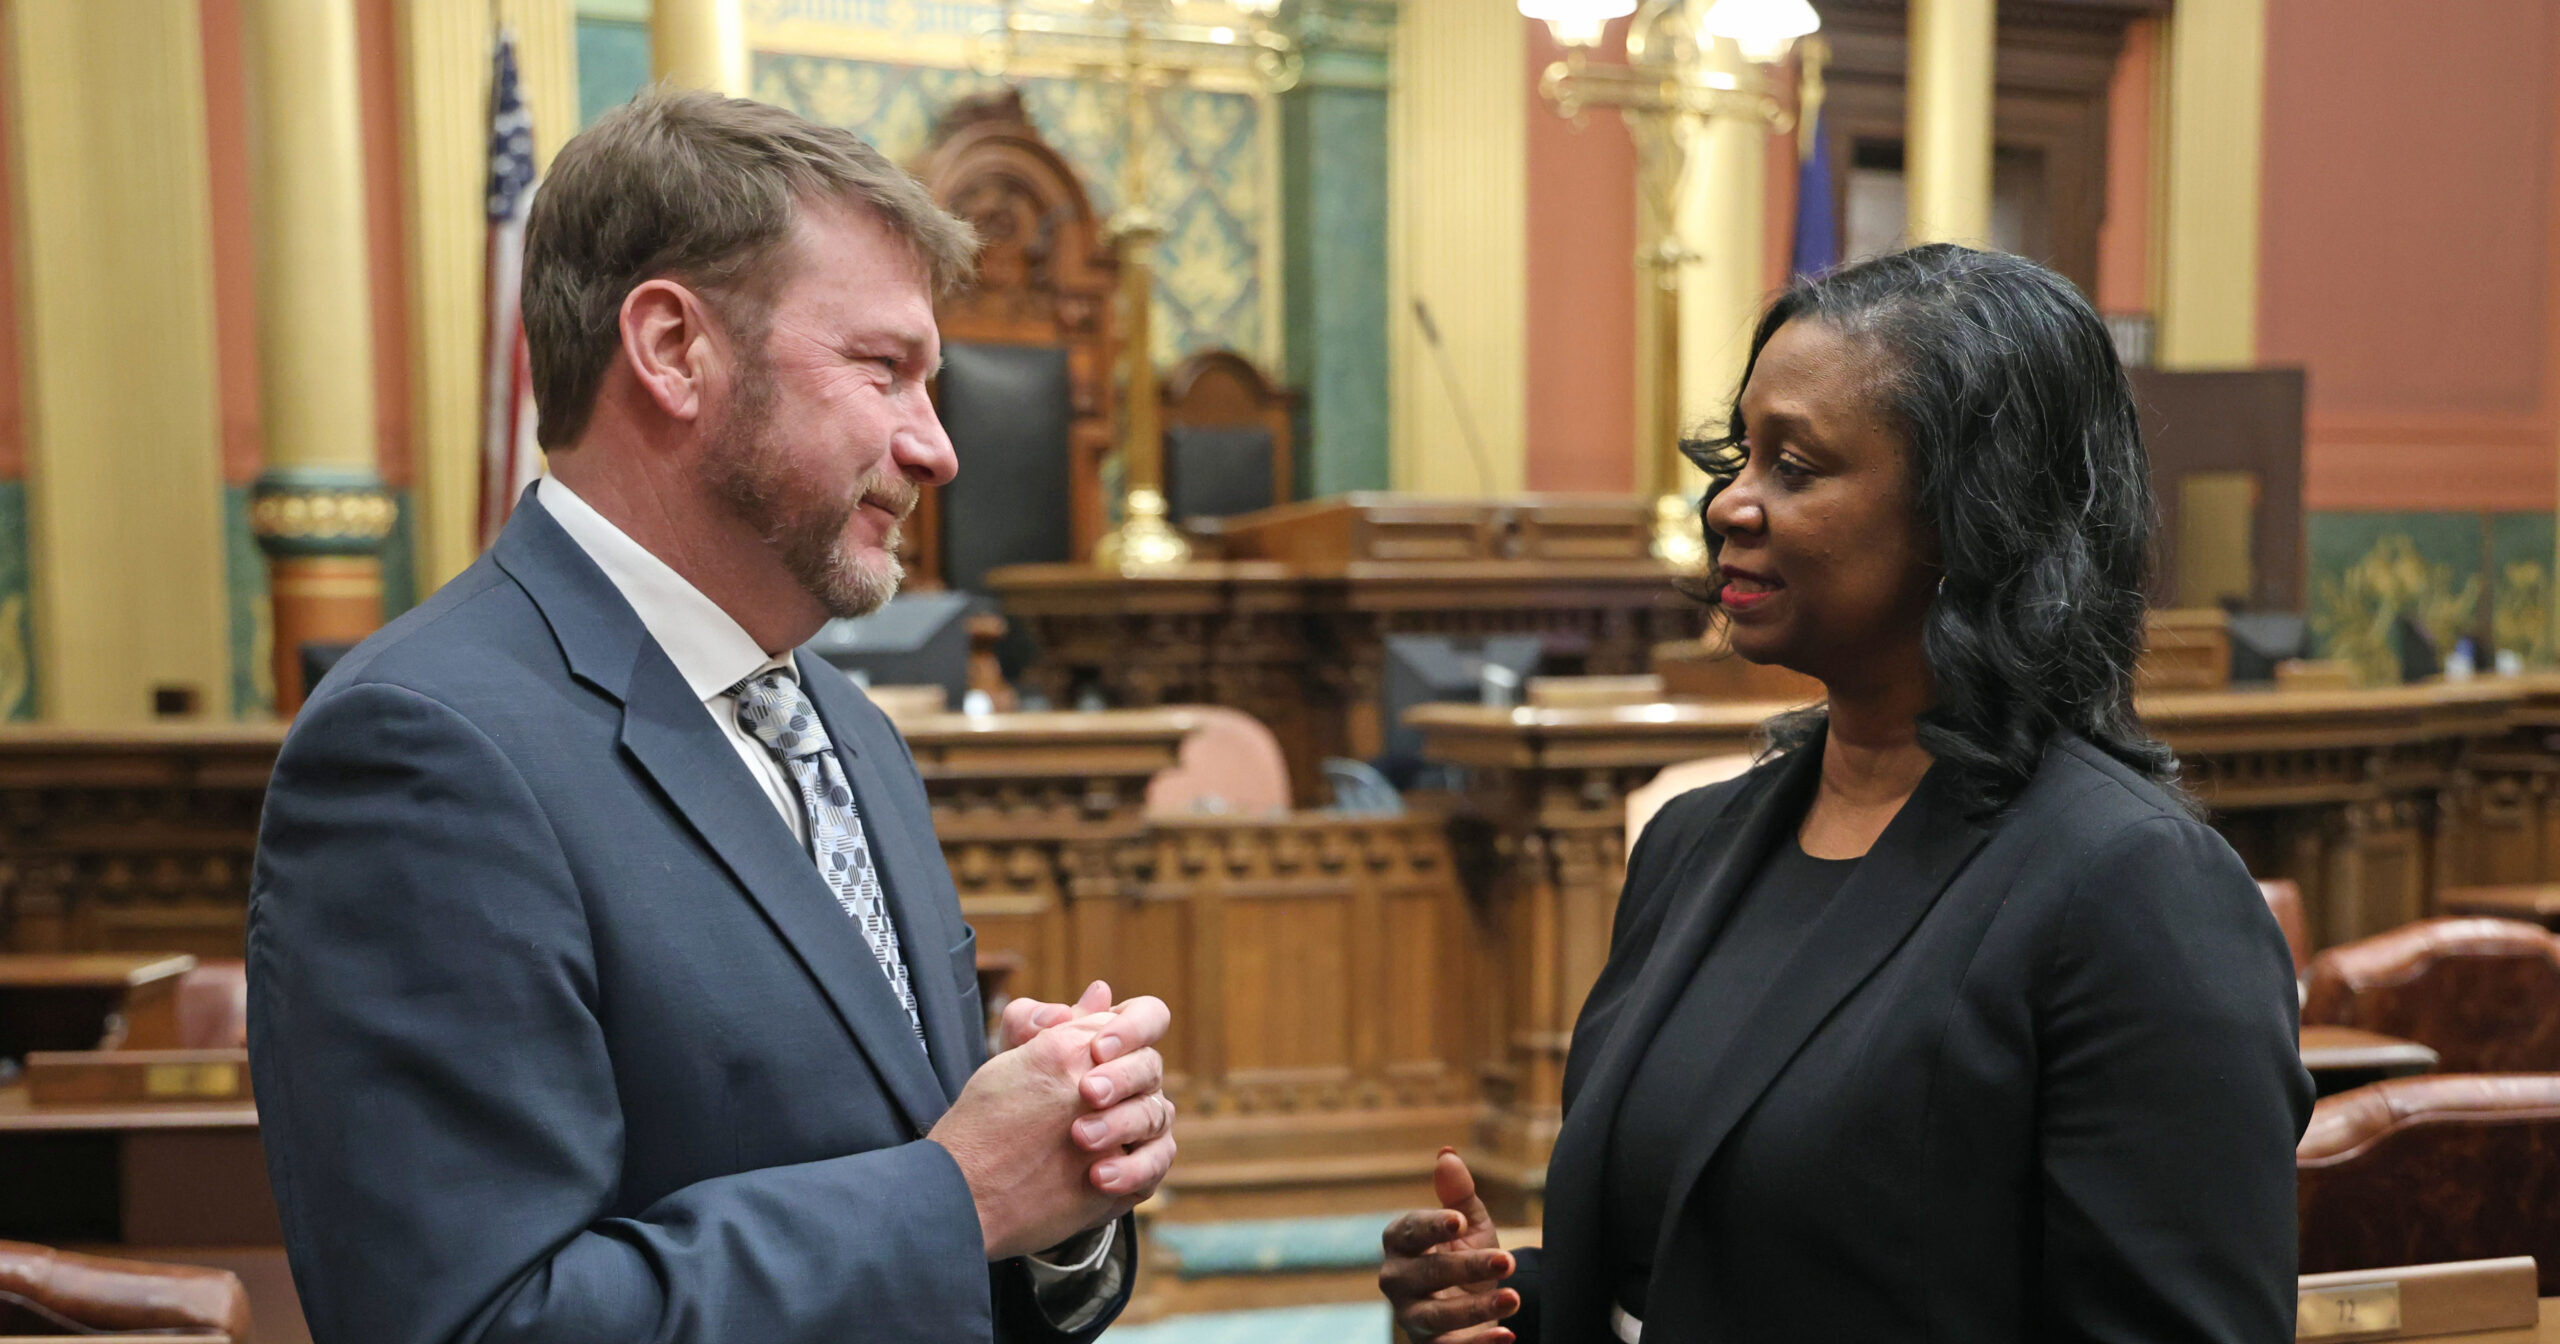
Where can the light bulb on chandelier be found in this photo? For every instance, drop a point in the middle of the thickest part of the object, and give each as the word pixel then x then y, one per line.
pixel 1763 29
pixel 1577 23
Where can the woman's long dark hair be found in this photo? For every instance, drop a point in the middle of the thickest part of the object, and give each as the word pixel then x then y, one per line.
pixel 2029 470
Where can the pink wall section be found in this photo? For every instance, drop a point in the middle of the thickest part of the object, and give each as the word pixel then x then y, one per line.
pixel 1582 290
pixel 2410 247
pixel 2124 236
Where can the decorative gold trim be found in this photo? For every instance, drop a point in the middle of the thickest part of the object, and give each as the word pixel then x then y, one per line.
pixel 319 515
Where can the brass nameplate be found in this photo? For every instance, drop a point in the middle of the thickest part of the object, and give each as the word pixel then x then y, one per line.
pixel 2351 1309
pixel 169 1082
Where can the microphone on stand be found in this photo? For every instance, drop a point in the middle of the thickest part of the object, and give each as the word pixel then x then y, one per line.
pixel 1457 395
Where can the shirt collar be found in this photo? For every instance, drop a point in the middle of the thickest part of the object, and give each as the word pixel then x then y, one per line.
pixel 711 651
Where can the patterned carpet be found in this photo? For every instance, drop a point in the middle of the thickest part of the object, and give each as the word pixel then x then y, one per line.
pixel 1252 1246
pixel 1364 1323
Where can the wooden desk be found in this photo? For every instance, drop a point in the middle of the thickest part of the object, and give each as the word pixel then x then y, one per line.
pixel 176 1182
pixel 2340 1058
pixel 76 1001
pixel 1291 625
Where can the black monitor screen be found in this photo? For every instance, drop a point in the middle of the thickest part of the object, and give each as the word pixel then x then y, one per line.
pixel 1441 669
pixel 919 639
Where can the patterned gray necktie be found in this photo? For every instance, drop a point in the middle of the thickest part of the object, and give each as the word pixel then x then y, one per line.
pixel 771 707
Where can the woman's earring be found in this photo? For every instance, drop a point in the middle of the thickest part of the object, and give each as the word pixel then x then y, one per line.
pixel 1942 585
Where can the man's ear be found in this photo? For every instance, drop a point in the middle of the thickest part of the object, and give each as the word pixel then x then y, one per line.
pixel 670 345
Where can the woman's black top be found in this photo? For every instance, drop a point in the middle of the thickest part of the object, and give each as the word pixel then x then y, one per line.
pixel 1679 1068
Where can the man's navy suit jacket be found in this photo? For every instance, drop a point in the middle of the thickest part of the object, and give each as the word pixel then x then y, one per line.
pixel 557 1033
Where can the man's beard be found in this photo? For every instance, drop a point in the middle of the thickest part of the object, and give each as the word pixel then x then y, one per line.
pixel 747 467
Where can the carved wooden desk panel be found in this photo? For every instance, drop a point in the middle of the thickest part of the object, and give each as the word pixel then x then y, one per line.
pixel 129 840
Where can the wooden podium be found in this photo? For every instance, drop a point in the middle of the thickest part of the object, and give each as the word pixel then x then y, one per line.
pixel 1288 622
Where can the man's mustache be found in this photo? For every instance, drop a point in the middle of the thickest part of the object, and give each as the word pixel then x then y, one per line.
pixel 894 494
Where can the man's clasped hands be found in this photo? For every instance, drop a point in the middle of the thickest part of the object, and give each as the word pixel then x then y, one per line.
pixel 1067 1127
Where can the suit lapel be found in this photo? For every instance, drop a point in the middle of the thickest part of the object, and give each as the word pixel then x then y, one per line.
pixel 683 751
pixel 906 855
pixel 666 730
pixel 1892 889
pixel 1723 856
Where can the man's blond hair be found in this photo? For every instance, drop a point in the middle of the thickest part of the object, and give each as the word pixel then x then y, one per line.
pixel 702 189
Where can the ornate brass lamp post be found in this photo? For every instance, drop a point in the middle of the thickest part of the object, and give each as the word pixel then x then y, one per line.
pixel 1140 45
pixel 1670 88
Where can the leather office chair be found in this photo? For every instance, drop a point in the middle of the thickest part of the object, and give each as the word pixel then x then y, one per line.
pixel 2482 993
pixel 213 1006
pixel 48 1292
pixel 2433 1168
pixel 2284 898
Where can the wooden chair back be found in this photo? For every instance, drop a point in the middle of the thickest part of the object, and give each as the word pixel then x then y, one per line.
pixel 1222 391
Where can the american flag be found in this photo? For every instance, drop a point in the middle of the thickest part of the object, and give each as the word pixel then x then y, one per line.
pixel 509 457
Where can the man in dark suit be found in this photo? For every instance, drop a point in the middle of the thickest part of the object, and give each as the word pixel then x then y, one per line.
pixel 606 980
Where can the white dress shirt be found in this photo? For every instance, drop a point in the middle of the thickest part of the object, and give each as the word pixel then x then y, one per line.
pixel 713 653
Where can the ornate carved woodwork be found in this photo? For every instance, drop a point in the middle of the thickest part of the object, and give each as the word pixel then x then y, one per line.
pixel 1046 276
pixel 1292 627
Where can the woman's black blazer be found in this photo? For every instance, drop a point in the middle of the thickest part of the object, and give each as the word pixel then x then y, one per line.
pixel 2034 1078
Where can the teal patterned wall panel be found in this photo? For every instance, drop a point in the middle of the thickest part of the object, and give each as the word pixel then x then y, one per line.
pixel 253 679
pixel 17 618
pixel 2520 585
pixel 613 64
pixel 1204 172
pixel 2483 575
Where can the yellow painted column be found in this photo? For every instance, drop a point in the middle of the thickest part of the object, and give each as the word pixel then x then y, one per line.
pixel 124 444
pixel 1946 157
pixel 699 44
pixel 320 509
pixel 1724 217
pixel 2209 236
pixel 445 52
pixel 1457 221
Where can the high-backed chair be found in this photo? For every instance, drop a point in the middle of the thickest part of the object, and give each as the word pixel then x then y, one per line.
pixel 1026 388
pixel 2482 993
pixel 48 1292
pixel 2440 1167
pixel 2284 900
pixel 1227 438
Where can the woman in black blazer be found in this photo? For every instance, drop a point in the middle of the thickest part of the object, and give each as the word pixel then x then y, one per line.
pixel 1947 1021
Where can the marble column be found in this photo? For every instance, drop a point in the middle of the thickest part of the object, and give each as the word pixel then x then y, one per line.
pixel 320 509
pixel 1946 160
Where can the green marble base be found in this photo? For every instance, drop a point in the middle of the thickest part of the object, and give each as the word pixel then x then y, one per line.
pixel 17 618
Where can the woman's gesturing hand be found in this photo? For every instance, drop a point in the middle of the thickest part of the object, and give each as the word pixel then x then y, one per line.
pixel 1444 1266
